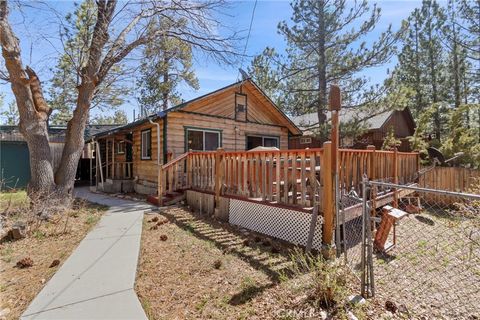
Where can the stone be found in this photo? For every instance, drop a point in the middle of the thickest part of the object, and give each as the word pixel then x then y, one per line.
pixel 323 314
pixel 351 316
pixel 356 299
pixel 403 309
pixel 18 230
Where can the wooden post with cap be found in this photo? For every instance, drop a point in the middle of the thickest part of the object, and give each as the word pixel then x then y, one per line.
pixel 330 204
pixel 218 175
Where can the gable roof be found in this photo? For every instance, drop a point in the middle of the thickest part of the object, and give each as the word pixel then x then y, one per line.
pixel 285 120
pixel 372 122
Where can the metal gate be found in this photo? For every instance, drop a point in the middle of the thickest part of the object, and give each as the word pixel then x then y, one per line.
pixel 422 258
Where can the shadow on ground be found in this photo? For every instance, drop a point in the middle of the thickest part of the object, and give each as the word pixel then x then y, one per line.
pixel 273 259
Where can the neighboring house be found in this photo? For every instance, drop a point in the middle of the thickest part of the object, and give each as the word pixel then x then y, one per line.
pixel 14 155
pixel 237 117
pixel 377 128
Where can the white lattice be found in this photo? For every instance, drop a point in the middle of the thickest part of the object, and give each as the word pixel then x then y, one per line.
pixel 289 225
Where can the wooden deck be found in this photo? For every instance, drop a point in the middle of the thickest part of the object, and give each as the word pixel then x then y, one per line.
pixel 293 178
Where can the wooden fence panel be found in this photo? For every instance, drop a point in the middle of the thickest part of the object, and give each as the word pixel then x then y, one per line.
pixel 450 179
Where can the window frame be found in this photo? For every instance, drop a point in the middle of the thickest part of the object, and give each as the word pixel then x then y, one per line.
pixel 263 139
pixel 121 150
pixel 245 107
pixel 203 130
pixel 305 140
pixel 148 157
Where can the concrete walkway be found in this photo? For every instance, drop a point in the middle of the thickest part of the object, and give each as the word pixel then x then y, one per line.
pixel 97 280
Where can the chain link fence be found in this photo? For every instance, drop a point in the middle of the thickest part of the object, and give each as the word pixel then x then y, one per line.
pixel 419 252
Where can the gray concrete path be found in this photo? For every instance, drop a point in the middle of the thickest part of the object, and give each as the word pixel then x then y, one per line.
pixel 97 280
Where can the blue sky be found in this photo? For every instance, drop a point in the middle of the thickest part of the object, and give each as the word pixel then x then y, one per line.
pixel 40 46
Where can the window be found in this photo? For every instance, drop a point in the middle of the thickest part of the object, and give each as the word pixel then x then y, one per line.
pixel 202 140
pixel 240 107
pixel 146 152
pixel 121 147
pixel 262 141
pixel 305 140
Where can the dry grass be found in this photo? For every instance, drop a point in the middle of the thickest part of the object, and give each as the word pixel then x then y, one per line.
pixel 435 268
pixel 210 270
pixel 46 241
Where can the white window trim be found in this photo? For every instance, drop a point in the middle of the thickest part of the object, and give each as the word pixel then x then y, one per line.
pixel 203 136
pixel 263 138
pixel 149 132
pixel 305 140
pixel 118 147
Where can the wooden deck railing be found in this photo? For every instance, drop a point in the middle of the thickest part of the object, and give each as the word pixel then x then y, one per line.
pixel 171 176
pixel 277 176
pixel 301 178
pixel 376 165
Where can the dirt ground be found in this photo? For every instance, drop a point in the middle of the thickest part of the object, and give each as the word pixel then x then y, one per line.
pixel 193 267
pixel 45 242
pixel 434 271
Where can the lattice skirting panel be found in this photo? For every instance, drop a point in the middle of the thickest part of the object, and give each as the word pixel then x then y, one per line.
pixel 286 224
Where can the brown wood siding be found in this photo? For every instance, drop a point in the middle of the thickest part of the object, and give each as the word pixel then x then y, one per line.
pixel 400 123
pixel 146 170
pixel 403 128
pixel 222 104
pixel 177 121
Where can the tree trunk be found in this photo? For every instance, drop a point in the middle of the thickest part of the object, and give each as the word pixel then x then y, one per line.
pixel 74 141
pixel 433 79
pixel 34 112
pixel 419 97
pixel 31 107
pixel 165 82
pixel 456 69
pixel 322 76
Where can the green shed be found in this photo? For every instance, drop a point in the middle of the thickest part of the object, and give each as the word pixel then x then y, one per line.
pixel 14 164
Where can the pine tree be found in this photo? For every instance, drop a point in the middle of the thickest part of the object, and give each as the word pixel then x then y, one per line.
pixel 422 63
pixel 409 71
pixel 10 115
pixel 391 142
pixel 119 117
pixel 469 11
pixel 433 20
pixel 463 137
pixel 166 64
pixel 326 43
pixel 77 34
pixel 266 72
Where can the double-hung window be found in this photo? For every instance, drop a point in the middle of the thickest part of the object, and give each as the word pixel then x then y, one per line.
pixel 202 140
pixel 146 147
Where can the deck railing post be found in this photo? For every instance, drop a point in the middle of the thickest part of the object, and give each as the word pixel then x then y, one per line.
pixel 218 175
pixel 372 166
pixel 160 185
pixel 328 197
pixel 395 177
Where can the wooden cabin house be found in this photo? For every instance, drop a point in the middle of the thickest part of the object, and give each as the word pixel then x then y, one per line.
pixel 238 117
pixel 376 129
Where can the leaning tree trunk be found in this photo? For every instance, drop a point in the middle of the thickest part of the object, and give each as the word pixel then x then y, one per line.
pixel 74 141
pixel 52 188
pixel 32 109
